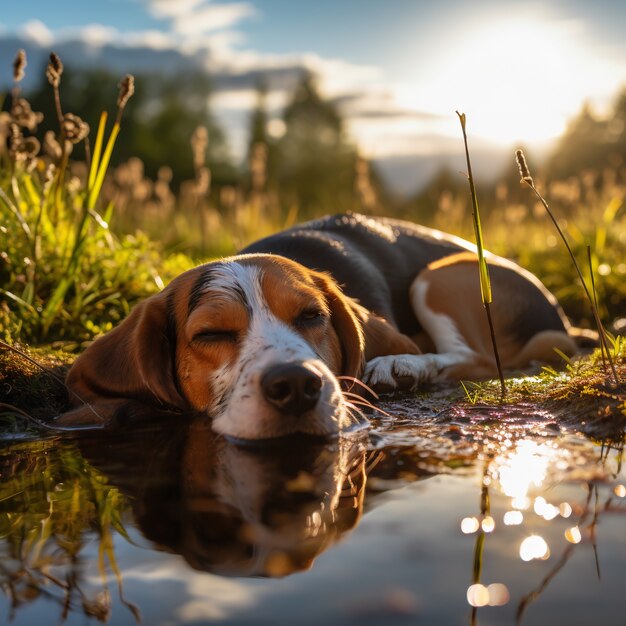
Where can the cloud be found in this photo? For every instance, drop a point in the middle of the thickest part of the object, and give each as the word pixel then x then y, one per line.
pixel 189 18
pixel 212 17
pixel 169 8
pixel 380 124
pixel 37 32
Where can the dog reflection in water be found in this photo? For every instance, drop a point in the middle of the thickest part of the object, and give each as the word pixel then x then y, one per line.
pixel 230 509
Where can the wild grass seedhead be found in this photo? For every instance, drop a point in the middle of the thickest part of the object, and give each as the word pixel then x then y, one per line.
pixel 54 70
pixel 126 91
pixel 19 64
pixel 524 172
pixel 23 149
pixel 199 145
pixel 527 179
pixel 24 116
pixel 74 128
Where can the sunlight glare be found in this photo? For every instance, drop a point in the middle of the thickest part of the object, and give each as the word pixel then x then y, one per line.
pixel 545 509
pixel 469 525
pixel 573 534
pixel 534 547
pixel 498 594
pixel 519 77
pixel 565 509
pixel 513 518
pixel 495 594
pixel 523 467
pixel 477 595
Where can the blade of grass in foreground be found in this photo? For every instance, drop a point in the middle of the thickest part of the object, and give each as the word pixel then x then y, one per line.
pixel 485 282
pixel 528 179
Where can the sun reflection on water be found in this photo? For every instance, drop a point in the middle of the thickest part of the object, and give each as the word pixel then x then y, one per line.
pixel 534 547
pixel 495 594
pixel 523 467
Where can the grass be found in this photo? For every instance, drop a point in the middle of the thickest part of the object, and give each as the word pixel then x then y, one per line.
pixel 483 269
pixel 67 275
pixel 580 395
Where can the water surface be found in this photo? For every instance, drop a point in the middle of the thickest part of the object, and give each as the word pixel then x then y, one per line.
pixel 455 516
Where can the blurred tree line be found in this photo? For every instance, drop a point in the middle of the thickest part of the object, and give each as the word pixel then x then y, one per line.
pixel 158 122
pixel 313 166
pixel 591 142
pixel 591 146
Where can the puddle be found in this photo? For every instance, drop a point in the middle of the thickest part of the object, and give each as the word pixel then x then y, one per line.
pixel 435 515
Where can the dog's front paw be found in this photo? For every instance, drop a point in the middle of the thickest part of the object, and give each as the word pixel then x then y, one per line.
pixel 399 371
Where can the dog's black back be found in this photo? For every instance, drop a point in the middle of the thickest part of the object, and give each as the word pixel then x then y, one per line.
pixel 375 260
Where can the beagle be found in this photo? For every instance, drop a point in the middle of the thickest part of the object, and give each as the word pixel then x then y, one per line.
pixel 269 342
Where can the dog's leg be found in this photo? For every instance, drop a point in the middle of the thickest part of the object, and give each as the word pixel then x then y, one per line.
pixel 446 301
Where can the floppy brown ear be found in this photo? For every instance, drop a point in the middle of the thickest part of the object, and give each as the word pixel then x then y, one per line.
pixel 133 361
pixel 381 338
pixel 346 325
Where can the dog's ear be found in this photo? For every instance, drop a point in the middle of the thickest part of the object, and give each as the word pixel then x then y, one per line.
pixel 381 338
pixel 134 361
pixel 346 325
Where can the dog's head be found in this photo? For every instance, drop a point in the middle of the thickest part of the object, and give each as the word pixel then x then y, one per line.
pixel 256 341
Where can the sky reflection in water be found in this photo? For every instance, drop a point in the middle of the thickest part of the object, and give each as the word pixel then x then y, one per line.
pixel 441 521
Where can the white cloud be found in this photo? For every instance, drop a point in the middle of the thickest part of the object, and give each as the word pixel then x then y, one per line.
pixel 38 32
pixel 197 17
pixel 211 17
pixel 97 34
pixel 171 8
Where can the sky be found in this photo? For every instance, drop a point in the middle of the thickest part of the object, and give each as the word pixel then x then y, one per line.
pixel 397 69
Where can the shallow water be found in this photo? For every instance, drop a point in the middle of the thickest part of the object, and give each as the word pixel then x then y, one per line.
pixel 457 516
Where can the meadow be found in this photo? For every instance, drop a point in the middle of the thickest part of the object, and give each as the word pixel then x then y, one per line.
pixel 82 241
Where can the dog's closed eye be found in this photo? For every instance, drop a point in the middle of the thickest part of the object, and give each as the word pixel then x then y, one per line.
pixel 217 335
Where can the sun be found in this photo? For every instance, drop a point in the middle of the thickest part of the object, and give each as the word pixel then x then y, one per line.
pixel 516 78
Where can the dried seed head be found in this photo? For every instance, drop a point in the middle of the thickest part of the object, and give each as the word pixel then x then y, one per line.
pixel 18 66
pixel 51 146
pixel 24 149
pixel 127 89
pixel 523 168
pixel 24 116
pixel 49 176
pixel 54 70
pixel 203 182
pixel 199 145
pixel 74 128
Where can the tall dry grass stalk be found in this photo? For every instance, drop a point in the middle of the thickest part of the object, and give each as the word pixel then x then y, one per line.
pixel 527 179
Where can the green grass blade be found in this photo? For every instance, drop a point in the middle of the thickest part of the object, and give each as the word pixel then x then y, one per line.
pixel 95 159
pixel 94 192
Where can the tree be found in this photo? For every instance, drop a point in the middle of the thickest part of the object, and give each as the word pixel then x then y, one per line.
pixel 158 122
pixel 582 146
pixel 316 163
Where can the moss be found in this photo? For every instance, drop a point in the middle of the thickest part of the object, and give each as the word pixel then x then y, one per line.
pixel 27 387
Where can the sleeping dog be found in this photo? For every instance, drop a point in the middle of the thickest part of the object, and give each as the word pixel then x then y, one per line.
pixel 267 342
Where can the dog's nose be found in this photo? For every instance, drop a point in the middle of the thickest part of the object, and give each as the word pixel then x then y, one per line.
pixel 292 388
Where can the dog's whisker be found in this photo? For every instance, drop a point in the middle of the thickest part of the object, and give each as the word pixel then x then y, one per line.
pixel 356 399
pixel 360 383
pixel 355 404
pixel 356 419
